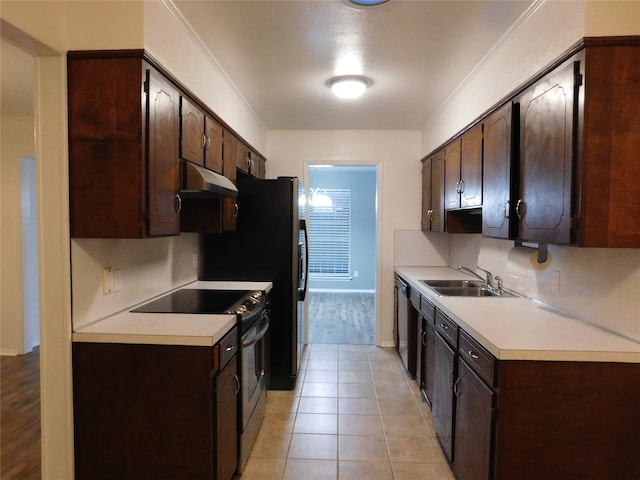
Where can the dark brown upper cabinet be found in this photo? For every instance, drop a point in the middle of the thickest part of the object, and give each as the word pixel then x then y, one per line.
pixel 201 137
pixel 433 193
pixel 452 175
pixel 463 177
pixel 124 122
pixel 497 207
pixel 229 205
pixel 547 112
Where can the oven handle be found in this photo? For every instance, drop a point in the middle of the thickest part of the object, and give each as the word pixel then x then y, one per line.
pixel 258 336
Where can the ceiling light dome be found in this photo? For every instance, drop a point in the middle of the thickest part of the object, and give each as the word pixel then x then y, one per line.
pixel 349 86
pixel 368 3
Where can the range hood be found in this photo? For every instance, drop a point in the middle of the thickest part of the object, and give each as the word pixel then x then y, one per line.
pixel 200 182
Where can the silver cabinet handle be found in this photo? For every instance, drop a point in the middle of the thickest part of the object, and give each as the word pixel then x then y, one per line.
pixel 444 326
pixel 506 209
pixel 177 203
pixel 461 186
pixel 230 348
pixel 204 141
pixel 430 214
pixel 456 391
pixel 519 211
pixel 424 338
pixel 237 383
pixel 236 215
pixel 208 142
pixel 472 355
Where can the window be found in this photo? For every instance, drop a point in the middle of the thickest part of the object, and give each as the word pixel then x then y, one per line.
pixel 330 234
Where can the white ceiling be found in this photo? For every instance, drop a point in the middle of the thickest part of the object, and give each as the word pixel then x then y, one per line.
pixel 280 53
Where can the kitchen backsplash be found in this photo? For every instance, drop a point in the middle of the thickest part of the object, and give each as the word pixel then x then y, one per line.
pixel 598 285
pixel 140 270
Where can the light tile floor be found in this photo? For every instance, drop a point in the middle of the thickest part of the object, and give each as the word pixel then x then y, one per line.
pixel 354 415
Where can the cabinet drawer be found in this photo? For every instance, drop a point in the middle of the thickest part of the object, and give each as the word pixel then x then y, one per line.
pixel 447 327
pixel 226 349
pixel 414 298
pixel 478 358
pixel 428 310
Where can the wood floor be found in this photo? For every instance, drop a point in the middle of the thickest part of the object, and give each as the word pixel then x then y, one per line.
pixel 20 417
pixel 341 318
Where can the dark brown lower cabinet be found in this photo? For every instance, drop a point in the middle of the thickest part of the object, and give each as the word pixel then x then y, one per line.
pixel 529 419
pixel 427 355
pixel 227 387
pixel 473 425
pixel 443 403
pixel 153 412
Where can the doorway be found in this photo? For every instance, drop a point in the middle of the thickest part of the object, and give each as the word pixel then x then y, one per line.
pixel 342 222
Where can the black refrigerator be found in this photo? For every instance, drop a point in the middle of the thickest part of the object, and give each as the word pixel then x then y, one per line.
pixel 269 244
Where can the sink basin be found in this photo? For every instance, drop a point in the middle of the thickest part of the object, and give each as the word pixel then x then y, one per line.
pixel 463 288
pixel 464 292
pixel 453 283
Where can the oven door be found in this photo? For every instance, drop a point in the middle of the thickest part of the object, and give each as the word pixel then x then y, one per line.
pixel 254 382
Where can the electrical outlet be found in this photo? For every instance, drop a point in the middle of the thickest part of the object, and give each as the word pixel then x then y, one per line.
pixel 107 281
pixel 355 274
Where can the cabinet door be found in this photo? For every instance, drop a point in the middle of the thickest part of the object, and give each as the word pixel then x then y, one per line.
pixel 437 192
pixel 427 360
pixel 497 205
pixel 213 150
pixel 227 386
pixel 452 175
pixel 546 146
pixel 162 162
pixel 471 168
pixel 425 221
pixel 442 406
pixel 242 157
pixel 473 426
pixel 192 138
pixel 229 205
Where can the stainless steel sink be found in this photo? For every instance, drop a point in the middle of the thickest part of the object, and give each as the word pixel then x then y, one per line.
pixel 454 283
pixel 463 288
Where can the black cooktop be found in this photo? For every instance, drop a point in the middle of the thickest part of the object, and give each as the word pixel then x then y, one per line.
pixel 193 300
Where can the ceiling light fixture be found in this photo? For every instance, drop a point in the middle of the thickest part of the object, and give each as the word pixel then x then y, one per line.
pixel 349 86
pixel 368 3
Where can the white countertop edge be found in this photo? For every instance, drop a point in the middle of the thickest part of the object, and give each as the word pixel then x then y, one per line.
pixel 145 339
pixel 624 350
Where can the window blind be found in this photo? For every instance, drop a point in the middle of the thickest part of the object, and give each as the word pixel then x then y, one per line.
pixel 330 235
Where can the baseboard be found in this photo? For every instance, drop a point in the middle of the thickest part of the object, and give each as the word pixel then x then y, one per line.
pixel 338 290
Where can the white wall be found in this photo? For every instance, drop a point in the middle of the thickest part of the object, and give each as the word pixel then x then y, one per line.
pixel 169 38
pixel 399 179
pixel 16 141
pixel 601 286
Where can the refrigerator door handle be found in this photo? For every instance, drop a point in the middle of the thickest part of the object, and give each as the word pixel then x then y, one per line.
pixel 302 293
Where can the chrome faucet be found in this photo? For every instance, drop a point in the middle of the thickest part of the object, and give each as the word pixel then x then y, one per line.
pixel 489 280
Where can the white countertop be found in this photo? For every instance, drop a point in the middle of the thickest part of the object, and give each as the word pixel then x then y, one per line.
pixel 166 328
pixel 521 329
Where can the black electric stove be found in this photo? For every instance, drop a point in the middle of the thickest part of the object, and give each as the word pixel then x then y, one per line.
pixel 246 304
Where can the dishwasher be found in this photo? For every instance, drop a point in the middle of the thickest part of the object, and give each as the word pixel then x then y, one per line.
pixel 405 326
